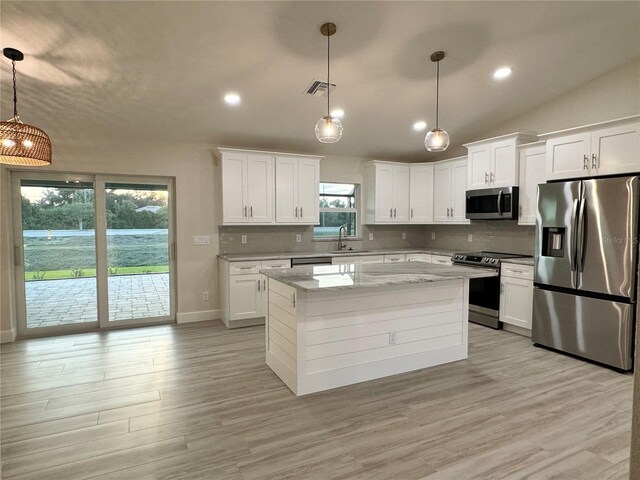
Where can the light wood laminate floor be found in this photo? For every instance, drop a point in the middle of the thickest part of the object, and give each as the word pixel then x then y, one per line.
pixel 197 401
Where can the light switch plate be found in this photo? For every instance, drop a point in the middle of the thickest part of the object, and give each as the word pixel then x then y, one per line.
pixel 243 239
pixel 298 238
pixel 201 240
pixel 370 236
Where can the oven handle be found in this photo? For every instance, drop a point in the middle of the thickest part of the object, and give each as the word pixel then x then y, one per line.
pixel 500 203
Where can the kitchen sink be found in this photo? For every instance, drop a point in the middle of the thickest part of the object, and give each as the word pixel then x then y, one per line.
pixel 350 251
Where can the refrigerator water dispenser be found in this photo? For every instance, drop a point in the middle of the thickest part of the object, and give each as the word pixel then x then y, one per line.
pixel 553 241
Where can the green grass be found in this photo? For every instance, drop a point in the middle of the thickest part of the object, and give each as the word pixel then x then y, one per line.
pixel 91 272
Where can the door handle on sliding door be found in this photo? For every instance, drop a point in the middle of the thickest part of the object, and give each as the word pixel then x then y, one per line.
pixel 580 236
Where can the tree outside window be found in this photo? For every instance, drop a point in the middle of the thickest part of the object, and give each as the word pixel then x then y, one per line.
pixel 338 207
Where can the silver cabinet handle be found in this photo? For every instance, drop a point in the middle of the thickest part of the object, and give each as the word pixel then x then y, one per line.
pixel 251 211
pixel 447 212
pixel 412 213
pixel 246 268
pixel 245 210
pixel 501 287
pixel 491 177
pixel 258 285
pixel 451 212
pixel 391 213
pixel 300 212
pixel 296 212
pixel 486 177
pixel 585 161
pixel 293 299
pixel 514 270
pixel 593 160
pixel 395 213
pixel 264 284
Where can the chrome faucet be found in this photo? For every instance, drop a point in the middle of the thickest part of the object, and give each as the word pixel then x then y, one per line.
pixel 340 244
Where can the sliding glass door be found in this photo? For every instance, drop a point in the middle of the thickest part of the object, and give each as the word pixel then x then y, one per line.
pixel 92 251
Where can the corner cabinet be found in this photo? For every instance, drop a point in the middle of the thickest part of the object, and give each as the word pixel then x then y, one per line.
pixel 386 192
pixel 265 188
pixel 297 190
pixel 532 173
pixel 493 163
pixel 607 148
pixel 449 191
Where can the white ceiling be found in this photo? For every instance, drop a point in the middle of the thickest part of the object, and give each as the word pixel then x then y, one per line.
pixel 158 70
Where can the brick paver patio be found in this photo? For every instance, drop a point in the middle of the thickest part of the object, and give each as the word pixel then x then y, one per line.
pixel 62 302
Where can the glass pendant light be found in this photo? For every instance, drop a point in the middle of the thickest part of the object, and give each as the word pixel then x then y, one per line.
pixel 437 140
pixel 328 128
pixel 22 144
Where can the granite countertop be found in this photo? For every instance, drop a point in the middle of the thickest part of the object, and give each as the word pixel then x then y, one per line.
pixel 243 257
pixel 324 278
pixel 520 261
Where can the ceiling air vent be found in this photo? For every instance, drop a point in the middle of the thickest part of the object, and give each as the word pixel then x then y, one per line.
pixel 318 88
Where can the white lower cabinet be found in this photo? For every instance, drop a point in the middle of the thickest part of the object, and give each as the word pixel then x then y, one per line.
pixel 516 295
pixel 243 291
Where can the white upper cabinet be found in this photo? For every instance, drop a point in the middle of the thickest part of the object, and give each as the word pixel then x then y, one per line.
pixel 247 193
pixel 603 149
pixel 386 192
pixel 421 193
pixel 297 190
pixel 449 191
pixel 532 173
pixel 262 188
pixel 493 163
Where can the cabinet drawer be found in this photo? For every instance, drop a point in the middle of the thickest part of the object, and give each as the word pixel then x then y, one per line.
pixel 244 268
pixel 514 270
pixel 372 259
pixel 419 257
pixel 276 263
pixel 395 258
pixel 441 260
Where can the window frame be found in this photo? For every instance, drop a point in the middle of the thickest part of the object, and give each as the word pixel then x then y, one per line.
pixel 356 211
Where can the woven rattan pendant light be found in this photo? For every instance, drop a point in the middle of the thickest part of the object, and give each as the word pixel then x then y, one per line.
pixel 20 143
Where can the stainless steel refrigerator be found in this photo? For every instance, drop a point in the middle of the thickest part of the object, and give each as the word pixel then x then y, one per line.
pixel 586 267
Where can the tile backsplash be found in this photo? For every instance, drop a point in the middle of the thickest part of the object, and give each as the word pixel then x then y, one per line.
pixel 272 239
pixel 498 236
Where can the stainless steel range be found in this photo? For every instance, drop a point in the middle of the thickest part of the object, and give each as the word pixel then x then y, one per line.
pixel 484 293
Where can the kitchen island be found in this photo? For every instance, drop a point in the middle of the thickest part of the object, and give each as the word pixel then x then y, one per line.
pixel 334 325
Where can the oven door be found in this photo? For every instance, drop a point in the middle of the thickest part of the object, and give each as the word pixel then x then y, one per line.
pixel 492 204
pixel 484 301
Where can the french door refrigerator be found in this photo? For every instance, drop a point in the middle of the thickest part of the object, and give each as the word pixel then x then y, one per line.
pixel 585 269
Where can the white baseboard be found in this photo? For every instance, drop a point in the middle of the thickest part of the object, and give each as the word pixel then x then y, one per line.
pixel 202 316
pixel 7 336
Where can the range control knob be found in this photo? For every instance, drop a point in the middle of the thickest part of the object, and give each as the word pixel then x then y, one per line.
pixel 493 260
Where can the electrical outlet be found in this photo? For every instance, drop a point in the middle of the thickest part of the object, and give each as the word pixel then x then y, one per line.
pixel 243 239
pixel 433 235
pixel 205 296
pixel 393 338
pixel 470 238
pixel 404 235
pixel 201 240
pixel 298 238
pixel 370 236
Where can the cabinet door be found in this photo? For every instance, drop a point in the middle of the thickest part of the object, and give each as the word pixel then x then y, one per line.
pixel 479 167
pixel 286 191
pixel 260 187
pixel 234 178
pixel 421 193
pixel 568 157
pixel 532 173
pixel 458 191
pixel 384 193
pixel 616 150
pixel 441 193
pixel 401 193
pixel 516 302
pixel 245 296
pixel 504 162
pixel 372 259
pixel 346 260
pixel 309 191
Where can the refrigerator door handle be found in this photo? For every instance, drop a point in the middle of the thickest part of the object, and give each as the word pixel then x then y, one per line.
pixel 572 253
pixel 581 236
pixel 500 203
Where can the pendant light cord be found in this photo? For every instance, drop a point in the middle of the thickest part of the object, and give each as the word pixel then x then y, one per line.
pixel 15 92
pixel 328 73
pixel 437 92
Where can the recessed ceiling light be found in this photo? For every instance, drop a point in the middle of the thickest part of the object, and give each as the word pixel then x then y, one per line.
pixel 337 112
pixel 232 99
pixel 419 126
pixel 502 73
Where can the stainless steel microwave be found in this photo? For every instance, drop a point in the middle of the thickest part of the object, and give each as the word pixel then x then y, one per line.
pixel 492 204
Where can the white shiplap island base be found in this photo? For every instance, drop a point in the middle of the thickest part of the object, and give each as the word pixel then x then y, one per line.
pixel 331 326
